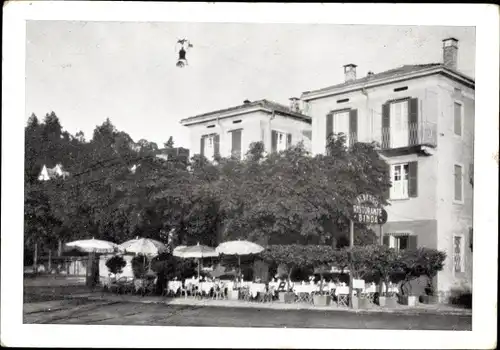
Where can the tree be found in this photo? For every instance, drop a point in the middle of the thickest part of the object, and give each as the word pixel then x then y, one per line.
pixel 115 264
pixel 385 262
pixel 169 143
pixel 432 261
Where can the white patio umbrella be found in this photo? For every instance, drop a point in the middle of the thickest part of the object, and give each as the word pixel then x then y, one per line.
pixel 145 246
pixel 93 246
pixel 178 251
pixel 197 252
pixel 239 248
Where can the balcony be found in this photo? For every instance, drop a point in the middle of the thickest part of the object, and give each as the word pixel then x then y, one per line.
pixel 411 138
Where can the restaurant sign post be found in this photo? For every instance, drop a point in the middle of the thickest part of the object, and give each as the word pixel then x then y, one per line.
pixel 365 210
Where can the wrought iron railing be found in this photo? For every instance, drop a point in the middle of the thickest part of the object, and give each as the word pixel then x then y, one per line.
pixel 416 134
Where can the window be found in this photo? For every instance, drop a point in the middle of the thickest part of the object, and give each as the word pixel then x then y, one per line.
pixel 458 196
pixel 209 146
pixel 458 251
pixel 404 180
pixel 457 115
pixel 399 189
pixel 280 141
pixel 399 124
pixel 236 144
pixel 400 241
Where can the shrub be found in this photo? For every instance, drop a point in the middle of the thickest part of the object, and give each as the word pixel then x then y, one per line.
pixel 420 262
pixel 385 262
pixel 115 264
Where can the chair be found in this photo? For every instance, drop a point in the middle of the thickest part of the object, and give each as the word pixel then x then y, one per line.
pixel 219 292
pixel 187 289
pixel 282 287
pixel 245 294
pixel 343 299
pixel 304 297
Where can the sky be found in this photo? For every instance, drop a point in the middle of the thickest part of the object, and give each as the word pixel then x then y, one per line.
pixel 89 71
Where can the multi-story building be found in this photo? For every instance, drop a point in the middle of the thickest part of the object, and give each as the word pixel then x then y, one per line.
pixel 422 117
pixel 229 132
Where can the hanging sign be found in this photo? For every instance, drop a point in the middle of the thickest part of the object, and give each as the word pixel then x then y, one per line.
pixel 367 210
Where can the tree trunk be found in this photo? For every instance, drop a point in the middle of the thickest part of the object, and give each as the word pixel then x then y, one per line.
pixel 35 259
pixel 50 260
pixel 59 248
pixel 289 278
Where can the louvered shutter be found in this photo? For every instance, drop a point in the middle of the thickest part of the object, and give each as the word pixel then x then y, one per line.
pixel 329 125
pixel 412 242
pixel 413 122
pixel 274 141
pixel 387 192
pixel 202 146
pixel 288 140
pixel 386 125
pixel 413 179
pixel 216 146
pixel 353 126
pixel 236 143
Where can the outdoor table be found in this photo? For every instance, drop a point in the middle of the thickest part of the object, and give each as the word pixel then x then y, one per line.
pixel 256 288
pixel 305 288
pixel 206 287
pixel 174 286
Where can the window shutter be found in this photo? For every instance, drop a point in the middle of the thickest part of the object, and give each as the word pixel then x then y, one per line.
pixel 387 192
pixel 457 119
pixel 386 125
pixel 412 242
pixel 288 140
pixel 236 143
pixel 471 232
pixel 413 179
pixel 353 126
pixel 329 125
pixel 202 146
pixel 386 240
pixel 458 183
pixel 274 141
pixel 216 146
pixel 413 121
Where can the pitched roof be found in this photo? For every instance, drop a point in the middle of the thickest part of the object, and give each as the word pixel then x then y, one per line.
pixel 266 104
pixel 391 73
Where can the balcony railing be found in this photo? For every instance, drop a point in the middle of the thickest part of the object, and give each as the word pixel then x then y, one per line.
pixel 416 134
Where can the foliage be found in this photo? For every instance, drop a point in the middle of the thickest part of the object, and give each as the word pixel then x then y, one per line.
pixel 287 198
pixel 360 260
pixel 140 265
pixel 115 264
pixel 384 261
pixel 420 262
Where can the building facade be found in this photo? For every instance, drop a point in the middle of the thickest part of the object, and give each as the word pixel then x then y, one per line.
pixel 422 118
pixel 231 131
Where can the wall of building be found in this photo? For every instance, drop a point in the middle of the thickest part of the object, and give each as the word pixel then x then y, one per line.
pixel 454 218
pixel 256 127
pixel 369 108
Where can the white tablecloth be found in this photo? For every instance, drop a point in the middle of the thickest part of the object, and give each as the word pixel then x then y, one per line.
pixel 174 286
pixel 206 286
pixel 342 290
pixel 256 288
pixel 305 288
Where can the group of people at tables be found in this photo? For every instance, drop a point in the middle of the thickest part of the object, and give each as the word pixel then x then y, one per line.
pixel 209 286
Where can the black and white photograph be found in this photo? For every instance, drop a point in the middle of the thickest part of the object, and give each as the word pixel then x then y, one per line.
pixel 208 176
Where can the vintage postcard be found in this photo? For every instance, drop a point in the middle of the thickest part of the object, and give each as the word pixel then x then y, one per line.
pixel 249 175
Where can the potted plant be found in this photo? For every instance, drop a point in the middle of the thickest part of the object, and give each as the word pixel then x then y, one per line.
pixel 410 262
pixel 385 262
pixel 432 261
pixel 115 264
pixel 359 265
pixel 321 256
pixel 289 255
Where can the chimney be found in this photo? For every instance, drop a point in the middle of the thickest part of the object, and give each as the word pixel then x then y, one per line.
pixel 246 102
pixel 370 73
pixel 294 104
pixel 450 53
pixel 350 72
